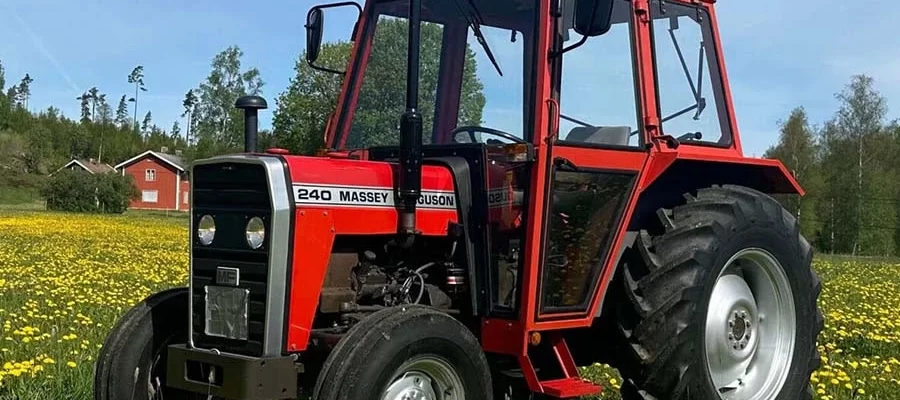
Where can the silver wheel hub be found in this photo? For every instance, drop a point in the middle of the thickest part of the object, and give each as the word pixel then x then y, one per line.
pixel 412 386
pixel 750 327
pixel 741 330
pixel 425 378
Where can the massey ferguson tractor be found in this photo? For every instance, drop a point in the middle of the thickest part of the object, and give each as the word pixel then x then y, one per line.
pixel 452 255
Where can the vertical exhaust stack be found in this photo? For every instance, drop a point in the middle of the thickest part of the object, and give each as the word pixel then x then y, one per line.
pixel 251 106
pixel 410 182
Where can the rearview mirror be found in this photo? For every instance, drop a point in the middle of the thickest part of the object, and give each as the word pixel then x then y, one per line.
pixel 593 17
pixel 315 26
pixel 314 21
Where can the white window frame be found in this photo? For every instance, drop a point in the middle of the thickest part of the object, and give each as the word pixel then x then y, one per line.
pixel 150 175
pixel 145 193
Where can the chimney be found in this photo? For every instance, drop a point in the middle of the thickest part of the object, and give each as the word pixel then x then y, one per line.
pixel 164 149
pixel 178 153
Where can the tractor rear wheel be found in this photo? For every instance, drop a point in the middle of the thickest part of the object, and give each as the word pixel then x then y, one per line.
pixel 132 360
pixel 406 352
pixel 719 303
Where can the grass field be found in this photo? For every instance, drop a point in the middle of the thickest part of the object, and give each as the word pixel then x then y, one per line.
pixel 64 279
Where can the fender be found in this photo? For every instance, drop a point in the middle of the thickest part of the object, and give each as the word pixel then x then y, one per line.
pixel 670 175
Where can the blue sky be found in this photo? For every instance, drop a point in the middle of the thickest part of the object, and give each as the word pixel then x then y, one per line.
pixel 779 55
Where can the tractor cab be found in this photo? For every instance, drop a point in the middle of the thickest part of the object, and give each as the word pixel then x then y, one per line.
pixel 546 103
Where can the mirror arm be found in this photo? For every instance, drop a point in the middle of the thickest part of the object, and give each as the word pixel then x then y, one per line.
pixel 324 69
pixel 584 38
pixel 341 4
pixel 554 54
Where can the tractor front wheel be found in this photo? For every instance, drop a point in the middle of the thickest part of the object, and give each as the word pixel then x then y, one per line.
pixel 719 302
pixel 132 360
pixel 406 352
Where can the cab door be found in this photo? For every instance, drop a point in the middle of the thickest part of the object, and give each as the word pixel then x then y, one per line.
pixel 594 156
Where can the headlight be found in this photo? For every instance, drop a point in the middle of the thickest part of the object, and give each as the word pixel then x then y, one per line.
pixel 206 230
pixel 256 232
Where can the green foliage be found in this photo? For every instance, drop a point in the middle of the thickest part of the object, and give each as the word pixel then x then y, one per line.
pixel 219 125
pixel 848 169
pixel 303 109
pixel 383 91
pixel 79 191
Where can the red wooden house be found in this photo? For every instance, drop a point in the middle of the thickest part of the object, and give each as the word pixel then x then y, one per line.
pixel 162 180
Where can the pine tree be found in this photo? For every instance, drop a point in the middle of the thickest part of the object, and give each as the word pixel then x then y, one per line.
pixel 85 100
pixel 145 126
pixel 23 92
pixel 190 105
pixel 137 78
pixel 122 113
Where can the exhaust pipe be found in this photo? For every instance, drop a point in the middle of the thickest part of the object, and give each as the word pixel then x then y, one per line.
pixel 410 180
pixel 251 106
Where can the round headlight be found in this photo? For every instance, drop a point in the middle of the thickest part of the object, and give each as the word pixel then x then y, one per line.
pixel 256 232
pixel 206 229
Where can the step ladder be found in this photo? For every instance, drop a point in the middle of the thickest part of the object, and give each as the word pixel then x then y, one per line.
pixel 571 385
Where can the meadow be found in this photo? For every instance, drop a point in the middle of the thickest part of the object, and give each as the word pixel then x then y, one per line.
pixel 65 279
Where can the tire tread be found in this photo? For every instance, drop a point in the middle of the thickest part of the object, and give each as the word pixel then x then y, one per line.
pixel 660 286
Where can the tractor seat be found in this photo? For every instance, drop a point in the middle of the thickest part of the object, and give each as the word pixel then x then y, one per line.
pixel 614 135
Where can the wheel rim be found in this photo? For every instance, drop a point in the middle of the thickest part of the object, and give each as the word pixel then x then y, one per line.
pixel 750 327
pixel 425 378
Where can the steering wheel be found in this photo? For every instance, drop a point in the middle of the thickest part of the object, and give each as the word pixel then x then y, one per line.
pixel 474 129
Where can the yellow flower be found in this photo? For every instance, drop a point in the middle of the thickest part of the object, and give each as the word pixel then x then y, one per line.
pixel 71 364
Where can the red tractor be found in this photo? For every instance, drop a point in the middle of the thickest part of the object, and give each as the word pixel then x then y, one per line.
pixel 595 206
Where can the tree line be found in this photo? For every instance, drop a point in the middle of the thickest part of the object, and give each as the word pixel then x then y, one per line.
pixel 848 166
pixel 39 142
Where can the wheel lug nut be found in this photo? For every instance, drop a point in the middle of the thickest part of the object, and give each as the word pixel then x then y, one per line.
pixel 731 324
pixel 731 336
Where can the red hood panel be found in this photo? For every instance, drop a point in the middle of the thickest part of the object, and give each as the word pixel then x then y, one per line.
pixel 361 194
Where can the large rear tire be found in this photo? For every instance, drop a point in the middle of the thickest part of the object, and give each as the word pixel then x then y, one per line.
pixel 719 302
pixel 406 352
pixel 132 360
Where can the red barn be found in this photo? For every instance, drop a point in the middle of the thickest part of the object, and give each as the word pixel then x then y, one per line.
pixel 162 180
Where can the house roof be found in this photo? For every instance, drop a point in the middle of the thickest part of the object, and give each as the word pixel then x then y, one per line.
pixel 173 160
pixel 89 166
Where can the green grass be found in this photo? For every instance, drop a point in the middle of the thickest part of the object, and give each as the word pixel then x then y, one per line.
pixel 17 196
pixel 66 278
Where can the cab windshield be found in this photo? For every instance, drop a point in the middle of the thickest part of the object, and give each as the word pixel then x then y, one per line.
pixel 462 95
